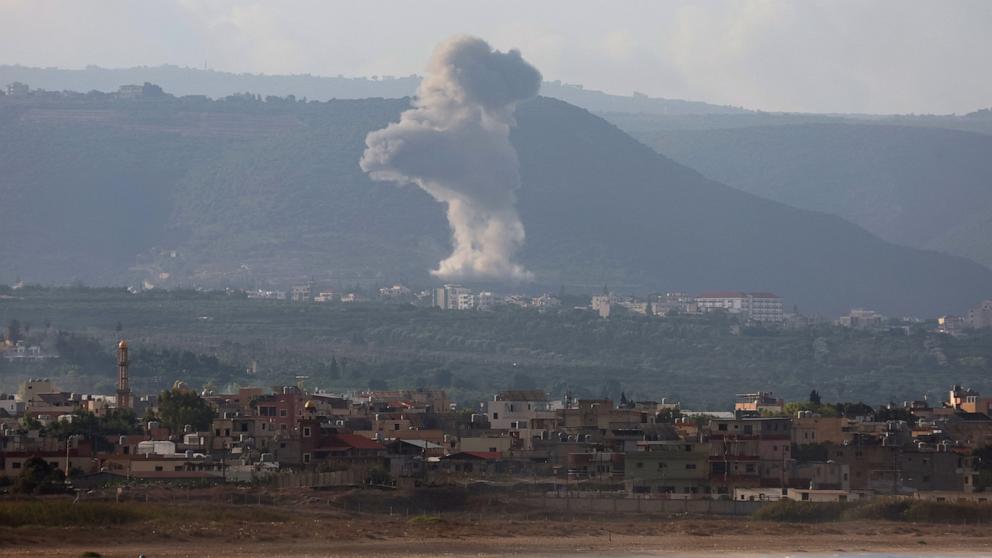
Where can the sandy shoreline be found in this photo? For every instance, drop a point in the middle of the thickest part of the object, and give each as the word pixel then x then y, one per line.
pixel 321 537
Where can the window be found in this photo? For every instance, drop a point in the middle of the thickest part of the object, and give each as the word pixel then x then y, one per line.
pixel 640 464
pixel 690 466
pixel 306 431
pixel 748 429
pixel 749 468
pixel 722 427
pixel 178 468
pixel 396 426
pixel 306 458
pixel 661 465
pixel 805 496
pixel 283 413
pixel 217 432
pixel 244 427
pixel 17 465
pixel 492 450
pixel 495 416
pixel 158 467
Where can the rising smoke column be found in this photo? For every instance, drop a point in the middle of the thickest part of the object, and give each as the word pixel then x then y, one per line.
pixel 455 145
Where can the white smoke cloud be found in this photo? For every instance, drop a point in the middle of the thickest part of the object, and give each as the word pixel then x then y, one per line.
pixel 455 145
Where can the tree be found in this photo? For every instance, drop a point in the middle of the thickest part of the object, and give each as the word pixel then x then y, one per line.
pixel 39 477
pixel 814 397
pixel 334 372
pixel 13 333
pixel 442 377
pixel 179 407
pixel 885 414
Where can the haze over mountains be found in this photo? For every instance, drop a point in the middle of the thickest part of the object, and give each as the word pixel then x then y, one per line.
pixel 918 186
pixel 189 81
pixel 250 193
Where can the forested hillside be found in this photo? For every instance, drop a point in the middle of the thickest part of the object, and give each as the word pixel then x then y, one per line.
pixel 922 187
pixel 248 192
pixel 700 360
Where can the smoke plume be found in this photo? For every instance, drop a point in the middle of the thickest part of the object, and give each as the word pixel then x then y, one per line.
pixel 455 145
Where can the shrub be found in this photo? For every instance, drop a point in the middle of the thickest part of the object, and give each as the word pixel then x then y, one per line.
pixel 889 509
pixel 60 513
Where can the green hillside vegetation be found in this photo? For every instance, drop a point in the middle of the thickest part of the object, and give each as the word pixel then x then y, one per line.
pixel 701 361
pixel 927 188
pixel 247 192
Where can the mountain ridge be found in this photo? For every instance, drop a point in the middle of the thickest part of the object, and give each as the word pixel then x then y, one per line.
pixel 196 192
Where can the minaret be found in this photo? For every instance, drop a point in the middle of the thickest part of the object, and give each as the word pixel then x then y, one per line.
pixel 123 386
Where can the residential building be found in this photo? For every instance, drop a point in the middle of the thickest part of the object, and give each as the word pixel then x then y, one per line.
pixel 300 293
pixel 18 89
pixel 396 291
pixel 980 316
pixel 758 307
pixel 760 402
pixel 668 467
pixel 969 401
pixel 452 297
pixel 951 325
pixel 325 296
pixel 859 318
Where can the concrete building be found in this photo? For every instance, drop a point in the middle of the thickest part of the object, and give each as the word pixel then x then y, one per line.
pixel 758 307
pixel 18 89
pixel 525 414
pixel 980 316
pixel 452 297
pixel 300 293
pixel 668 467
pixel 969 401
pixel 859 318
pixel 759 402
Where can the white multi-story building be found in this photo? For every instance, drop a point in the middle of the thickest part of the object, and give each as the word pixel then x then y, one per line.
pixel 453 297
pixel 760 307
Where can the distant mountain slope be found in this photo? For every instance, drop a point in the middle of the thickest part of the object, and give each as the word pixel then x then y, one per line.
pixel 928 188
pixel 191 81
pixel 244 193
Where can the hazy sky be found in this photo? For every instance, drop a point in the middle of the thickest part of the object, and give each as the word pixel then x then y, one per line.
pixel 830 56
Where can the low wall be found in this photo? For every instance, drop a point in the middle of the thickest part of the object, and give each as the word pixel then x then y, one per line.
pixel 617 504
pixel 311 480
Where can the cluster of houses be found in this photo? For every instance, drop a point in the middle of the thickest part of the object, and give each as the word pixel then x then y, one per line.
pixel 418 437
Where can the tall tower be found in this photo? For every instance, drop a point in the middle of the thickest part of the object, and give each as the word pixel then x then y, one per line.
pixel 123 385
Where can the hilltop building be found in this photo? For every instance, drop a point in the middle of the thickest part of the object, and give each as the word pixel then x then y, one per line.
pixel 859 318
pixel 980 316
pixel 759 307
